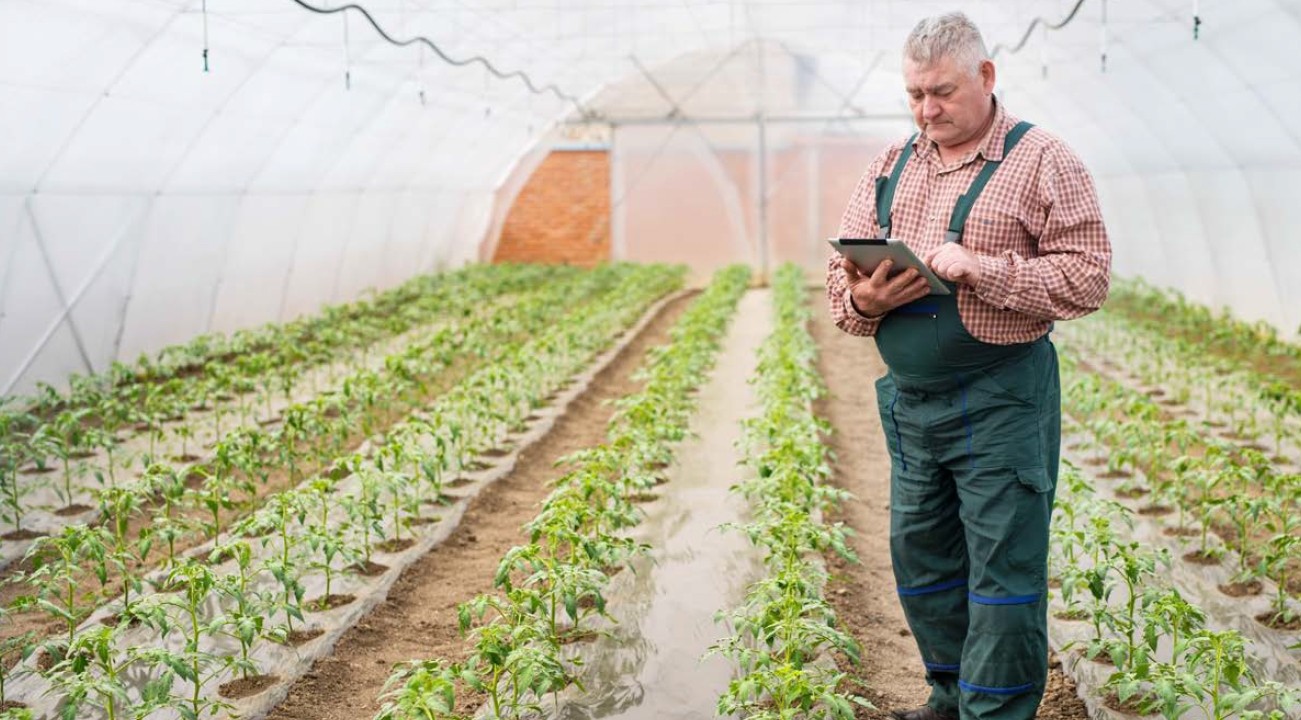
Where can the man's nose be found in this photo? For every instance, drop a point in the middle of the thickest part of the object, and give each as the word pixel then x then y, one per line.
pixel 930 108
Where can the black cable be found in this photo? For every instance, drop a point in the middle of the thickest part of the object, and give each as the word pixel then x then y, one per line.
pixel 420 39
pixel 1039 21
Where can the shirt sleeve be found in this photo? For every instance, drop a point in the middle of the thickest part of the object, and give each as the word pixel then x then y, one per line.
pixel 1071 274
pixel 858 221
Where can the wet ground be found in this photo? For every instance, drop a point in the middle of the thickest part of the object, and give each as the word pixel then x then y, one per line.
pixel 651 665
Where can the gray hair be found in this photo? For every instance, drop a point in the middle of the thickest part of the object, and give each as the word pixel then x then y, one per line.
pixel 952 35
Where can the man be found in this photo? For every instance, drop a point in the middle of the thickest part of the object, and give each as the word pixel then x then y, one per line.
pixel 971 406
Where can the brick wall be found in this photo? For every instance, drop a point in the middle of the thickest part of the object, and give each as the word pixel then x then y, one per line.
pixel 563 213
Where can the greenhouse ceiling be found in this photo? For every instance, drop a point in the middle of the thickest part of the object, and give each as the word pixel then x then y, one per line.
pixel 179 167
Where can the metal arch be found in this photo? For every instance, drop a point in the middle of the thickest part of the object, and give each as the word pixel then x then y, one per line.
pixel 65 316
pixel 70 302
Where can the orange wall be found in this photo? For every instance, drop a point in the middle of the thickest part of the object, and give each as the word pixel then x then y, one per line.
pixel 563 213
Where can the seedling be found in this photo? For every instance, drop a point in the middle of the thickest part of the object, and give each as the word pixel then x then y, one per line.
pixel 420 690
pixel 195 582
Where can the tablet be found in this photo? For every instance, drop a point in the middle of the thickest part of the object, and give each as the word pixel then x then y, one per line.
pixel 868 252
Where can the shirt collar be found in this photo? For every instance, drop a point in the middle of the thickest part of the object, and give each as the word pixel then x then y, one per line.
pixel 990 147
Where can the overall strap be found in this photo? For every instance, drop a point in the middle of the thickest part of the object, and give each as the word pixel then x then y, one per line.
pixel 885 188
pixel 962 208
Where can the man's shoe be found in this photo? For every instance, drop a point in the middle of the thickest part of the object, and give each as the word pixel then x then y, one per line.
pixel 925 712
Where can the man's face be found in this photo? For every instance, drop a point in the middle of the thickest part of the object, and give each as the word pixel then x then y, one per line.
pixel 948 101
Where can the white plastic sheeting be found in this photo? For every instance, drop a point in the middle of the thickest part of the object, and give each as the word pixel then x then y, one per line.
pixel 144 201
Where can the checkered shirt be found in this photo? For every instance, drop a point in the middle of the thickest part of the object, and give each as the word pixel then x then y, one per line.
pixel 1036 229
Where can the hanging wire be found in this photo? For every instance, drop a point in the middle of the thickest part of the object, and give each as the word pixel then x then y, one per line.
pixel 422 40
pixel 204 11
pixel 1034 23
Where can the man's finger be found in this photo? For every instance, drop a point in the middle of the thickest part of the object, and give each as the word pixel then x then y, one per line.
pixel 882 271
pixel 851 270
pixel 942 267
pixel 904 279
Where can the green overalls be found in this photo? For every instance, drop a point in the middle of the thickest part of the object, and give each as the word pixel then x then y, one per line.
pixel 974 432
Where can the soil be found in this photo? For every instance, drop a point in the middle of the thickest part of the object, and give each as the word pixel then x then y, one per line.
pixel 394 545
pixel 329 602
pixel 1155 510
pixel 302 637
pixel 22 535
pixel 1131 493
pixel 418 620
pixel 247 687
pixel 73 509
pixel 1275 622
pixel 891 674
pixel 1197 557
pixel 1181 532
pixel 369 568
pixel 1126 707
pixel 1102 658
pixel 11 705
pixel 1239 589
pixel 116 618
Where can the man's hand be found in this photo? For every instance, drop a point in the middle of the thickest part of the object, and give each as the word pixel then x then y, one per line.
pixel 877 293
pixel 954 263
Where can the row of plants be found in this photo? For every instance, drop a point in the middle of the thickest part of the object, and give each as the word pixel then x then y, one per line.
pixel 1249 408
pixel 62 431
pixel 1165 658
pixel 784 625
pixel 335 329
pixel 1254 345
pixel 549 590
pixel 315 432
pixel 70 440
pixel 184 507
pixel 203 619
pixel 1235 502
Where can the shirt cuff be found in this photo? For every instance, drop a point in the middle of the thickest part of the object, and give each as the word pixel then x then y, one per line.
pixel 864 324
pixel 995 285
pixel 849 303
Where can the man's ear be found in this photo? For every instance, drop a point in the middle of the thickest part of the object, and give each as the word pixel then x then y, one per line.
pixel 987 75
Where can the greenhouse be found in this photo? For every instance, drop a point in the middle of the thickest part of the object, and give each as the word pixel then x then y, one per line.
pixel 770 359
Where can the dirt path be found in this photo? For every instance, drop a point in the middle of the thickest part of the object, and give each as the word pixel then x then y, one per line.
pixel 864 595
pixel 418 620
